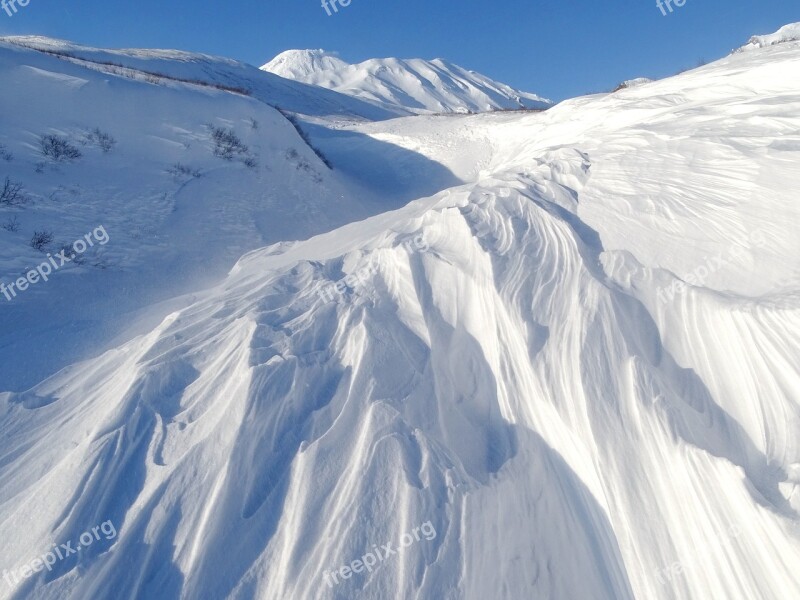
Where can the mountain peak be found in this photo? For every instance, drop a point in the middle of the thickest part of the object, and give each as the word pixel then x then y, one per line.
pixel 416 85
pixel 295 64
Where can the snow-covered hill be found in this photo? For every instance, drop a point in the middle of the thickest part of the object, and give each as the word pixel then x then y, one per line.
pixel 178 215
pixel 417 85
pixel 570 371
pixel 294 96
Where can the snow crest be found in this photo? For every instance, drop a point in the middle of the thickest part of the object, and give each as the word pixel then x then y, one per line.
pixel 787 33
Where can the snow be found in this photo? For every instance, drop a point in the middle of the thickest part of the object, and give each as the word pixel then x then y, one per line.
pixel 170 234
pixel 417 85
pixel 297 64
pixel 290 95
pixel 517 380
pixel 629 83
pixel 787 33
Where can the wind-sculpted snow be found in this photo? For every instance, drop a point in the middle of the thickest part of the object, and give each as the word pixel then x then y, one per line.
pixel 521 362
pixel 498 385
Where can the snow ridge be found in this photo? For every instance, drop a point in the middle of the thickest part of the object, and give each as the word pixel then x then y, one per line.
pixel 787 33
pixel 417 85
pixel 294 96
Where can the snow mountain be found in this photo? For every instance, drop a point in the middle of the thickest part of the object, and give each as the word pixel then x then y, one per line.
pixel 513 355
pixel 419 86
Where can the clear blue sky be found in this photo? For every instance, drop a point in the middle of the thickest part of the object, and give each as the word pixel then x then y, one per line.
pixel 557 48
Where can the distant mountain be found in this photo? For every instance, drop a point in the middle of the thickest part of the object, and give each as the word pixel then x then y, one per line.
pixel 420 86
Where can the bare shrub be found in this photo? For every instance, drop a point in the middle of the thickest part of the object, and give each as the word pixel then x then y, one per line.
pixel 12 194
pixel 69 252
pixel 227 144
pixel 181 170
pixel 104 141
pixel 131 73
pixel 302 133
pixel 41 239
pixel 301 164
pixel 58 148
pixel 11 225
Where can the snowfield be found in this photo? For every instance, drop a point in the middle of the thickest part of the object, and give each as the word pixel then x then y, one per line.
pixel 566 343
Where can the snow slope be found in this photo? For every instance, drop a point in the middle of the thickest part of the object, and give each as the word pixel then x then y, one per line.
pixel 170 234
pixel 419 86
pixel 289 95
pixel 530 361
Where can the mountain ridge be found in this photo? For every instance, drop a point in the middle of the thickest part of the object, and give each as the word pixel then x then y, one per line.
pixel 418 85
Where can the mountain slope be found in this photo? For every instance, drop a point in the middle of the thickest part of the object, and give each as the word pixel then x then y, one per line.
pixel 290 95
pixel 573 373
pixel 417 85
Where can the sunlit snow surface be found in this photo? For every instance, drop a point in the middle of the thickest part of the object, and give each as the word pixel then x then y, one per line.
pixel 787 33
pixel 534 363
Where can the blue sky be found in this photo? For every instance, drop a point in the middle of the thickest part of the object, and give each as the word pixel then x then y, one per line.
pixel 555 48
